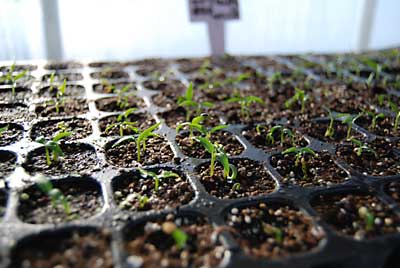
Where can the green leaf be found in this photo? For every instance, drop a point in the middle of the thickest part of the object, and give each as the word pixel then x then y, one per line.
pixel 61 135
pixel 123 140
pixel 217 128
pixel 189 92
pixel 206 144
pixel 291 150
pixel 180 238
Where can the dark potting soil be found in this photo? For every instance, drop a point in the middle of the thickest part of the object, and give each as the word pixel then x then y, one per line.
pixel 79 158
pixel 20 94
pixel 273 231
pixel 317 130
pixel 252 180
pixel 119 104
pixel 192 148
pixel 321 170
pixel 14 111
pixel 157 151
pixel 63 65
pixel 70 91
pixel 68 107
pixel 80 128
pixel 380 159
pixel 261 141
pixel 142 121
pixel 109 74
pixel 59 77
pixel 384 126
pixel 347 214
pixel 393 189
pixel 68 248
pixel 130 188
pixel 177 116
pixel 151 244
pixel 10 133
pixel 7 163
pixel 108 88
pixel 83 196
pixel 3 203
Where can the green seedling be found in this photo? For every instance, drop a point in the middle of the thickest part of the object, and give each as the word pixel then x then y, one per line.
pixel 197 124
pixel 165 174
pixel 52 147
pixel 191 106
pixel 396 110
pixel 245 103
pixel 55 195
pixel 51 82
pixel 236 186
pixel 275 231
pixel 284 133
pixel 274 78
pixel 368 218
pixel 180 238
pixel 123 96
pixel 300 158
pixel 299 97
pixel 375 117
pixel 349 120
pixel 139 139
pixel 4 129
pixel 60 95
pixel 218 154
pixel 362 147
pixel 13 79
pixel 177 234
pixel 143 200
pixel 330 131
pixel 205 67
pixel 123 123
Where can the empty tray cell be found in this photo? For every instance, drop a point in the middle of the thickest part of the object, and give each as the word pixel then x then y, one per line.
pixel 10 133
pixel 78 247
pixel 63 65
pixel 8 160
pixel 109 74
pixel 19 93
pixel 14 111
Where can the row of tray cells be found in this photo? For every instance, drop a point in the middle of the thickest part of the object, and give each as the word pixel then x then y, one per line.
pixel 263 229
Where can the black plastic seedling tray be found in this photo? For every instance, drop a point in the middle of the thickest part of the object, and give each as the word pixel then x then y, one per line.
pixel 331 248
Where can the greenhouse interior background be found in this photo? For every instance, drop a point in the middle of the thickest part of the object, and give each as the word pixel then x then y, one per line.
pixel 72 29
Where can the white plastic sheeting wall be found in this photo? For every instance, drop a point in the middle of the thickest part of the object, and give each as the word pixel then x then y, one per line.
pixel 125 29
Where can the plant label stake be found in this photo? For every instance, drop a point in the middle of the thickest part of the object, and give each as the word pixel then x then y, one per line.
pixel 214 12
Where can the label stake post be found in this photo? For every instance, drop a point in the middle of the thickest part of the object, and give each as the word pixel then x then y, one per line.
pixel 214 12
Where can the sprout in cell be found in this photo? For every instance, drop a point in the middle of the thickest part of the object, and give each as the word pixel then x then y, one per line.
pixel 177 234
pixel 140 139
pixel 300 157
pixel 123 123
pixel 270 136
pixel 192 107
pixel 361 147
pixel 245 103
pixel 165 174
pixel 52 147
pixel 299 97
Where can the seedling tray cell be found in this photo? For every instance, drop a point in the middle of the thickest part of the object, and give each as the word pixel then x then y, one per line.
pixel 314 140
